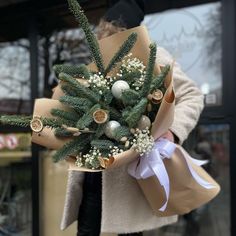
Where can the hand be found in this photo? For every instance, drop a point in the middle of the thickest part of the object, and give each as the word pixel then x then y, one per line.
pixel 169 135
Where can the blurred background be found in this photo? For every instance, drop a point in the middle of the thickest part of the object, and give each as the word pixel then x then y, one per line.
pixel 34 35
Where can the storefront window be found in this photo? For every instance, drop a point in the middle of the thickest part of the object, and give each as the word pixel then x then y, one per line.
pixel 15 148
pixel 15 184
pixel 193 36
pixel 15 77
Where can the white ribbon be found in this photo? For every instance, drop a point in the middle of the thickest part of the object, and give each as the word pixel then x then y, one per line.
pixel 151 164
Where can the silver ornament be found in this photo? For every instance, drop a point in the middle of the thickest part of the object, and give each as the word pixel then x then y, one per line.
pixel 144 123
pixel 110 127
pixel 118 87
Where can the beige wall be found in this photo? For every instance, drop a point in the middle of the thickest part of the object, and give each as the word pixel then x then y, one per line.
pixel 53 187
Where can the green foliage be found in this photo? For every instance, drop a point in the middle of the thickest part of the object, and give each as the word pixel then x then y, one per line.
pixel 107 94
pixel 87 118
pixel 126 111
pixel 89 94
pixel 102 144
pixel 130 76
pixel 79 104
pixel 91 39
pixel 121 131
pixel 20 121
pixel 74 71
pixel 65 115
pixel 158 82
pixel 149 73
pixel 68 90
pixel 72 148
pixel 123 51
pixel 80 89
pixel 130 97
pixel 99 131
pixel 52 122
pixel 136 113
pixel 62 133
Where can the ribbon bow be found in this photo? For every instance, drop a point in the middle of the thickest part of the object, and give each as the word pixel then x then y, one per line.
pixel 151 164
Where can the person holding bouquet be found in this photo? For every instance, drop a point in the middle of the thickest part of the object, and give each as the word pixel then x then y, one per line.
pixel 94 198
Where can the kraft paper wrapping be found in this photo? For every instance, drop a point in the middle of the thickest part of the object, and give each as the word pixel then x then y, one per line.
pixel 185 193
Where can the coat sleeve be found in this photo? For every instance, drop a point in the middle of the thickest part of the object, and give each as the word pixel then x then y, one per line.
pixel 189 99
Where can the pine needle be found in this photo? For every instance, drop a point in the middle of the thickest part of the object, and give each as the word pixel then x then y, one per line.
pixel 72 147
pixel 91 39
pixel 149 74
pixel 123 51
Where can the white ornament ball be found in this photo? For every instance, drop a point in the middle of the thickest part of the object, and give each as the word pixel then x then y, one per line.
pixel 110 127
pixel 118 87
pixel 144 123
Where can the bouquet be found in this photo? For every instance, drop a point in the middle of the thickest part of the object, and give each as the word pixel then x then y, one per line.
pixel 101 111
pixel 113 112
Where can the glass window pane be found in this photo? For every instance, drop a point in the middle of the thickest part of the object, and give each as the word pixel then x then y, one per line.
pixel 15 184
pixel 193 36
pixel 15 77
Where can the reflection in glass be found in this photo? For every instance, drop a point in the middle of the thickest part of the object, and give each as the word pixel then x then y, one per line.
pixel 193 36
pixel 15 77
pixel 15 70
pixel 60 47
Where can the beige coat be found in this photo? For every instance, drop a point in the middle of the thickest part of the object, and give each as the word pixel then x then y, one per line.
pixel 124 208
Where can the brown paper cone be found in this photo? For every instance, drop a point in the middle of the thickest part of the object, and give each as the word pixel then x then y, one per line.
pixel 185 193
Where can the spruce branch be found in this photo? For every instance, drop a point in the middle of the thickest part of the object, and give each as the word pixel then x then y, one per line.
pixel 89 94
pixel 87 118
pixel 120 132
pixel 91 39
pixel 68 90
pixel 107 94
pixel 52 122
pixel 20 121
pixel 130 97
pixel 123 51
pixel 80 89
pixel 149 73
pixel 158 82
pixel 72 70
pixel 77 103
pixel 100 130
pixel 131 76
pixel 136 113
pixel 102 144
pixel 65 115
pixel 62 133
pixel 72 148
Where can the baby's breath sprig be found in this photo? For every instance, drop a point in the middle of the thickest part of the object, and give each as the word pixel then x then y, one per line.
pixel 143 142
pixel 79 161
pixel 97 80
pixel 114 150
pixel 89 160
pixel 132 64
